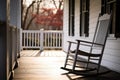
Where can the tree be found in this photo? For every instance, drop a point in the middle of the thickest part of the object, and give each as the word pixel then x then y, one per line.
pixel 51 16
pixel 51 19
pixel 42 15
pixel 25 12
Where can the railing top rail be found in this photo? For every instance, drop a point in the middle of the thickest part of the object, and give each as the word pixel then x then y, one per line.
pixel 30 31
pixel 55 31
pixel 45 31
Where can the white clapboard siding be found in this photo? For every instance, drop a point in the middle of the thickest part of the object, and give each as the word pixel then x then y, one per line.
pixel 111 57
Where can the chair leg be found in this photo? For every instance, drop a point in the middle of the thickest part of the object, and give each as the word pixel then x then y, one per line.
pixel 75 57
pixel 66 60
pixel 88 62
pixel 74 63
pixel 99 65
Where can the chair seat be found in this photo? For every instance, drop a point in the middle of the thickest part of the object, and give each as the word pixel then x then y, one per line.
pixel 86 53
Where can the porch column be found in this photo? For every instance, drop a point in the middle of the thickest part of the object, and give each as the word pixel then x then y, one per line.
pixel 4 40
pixel 41 39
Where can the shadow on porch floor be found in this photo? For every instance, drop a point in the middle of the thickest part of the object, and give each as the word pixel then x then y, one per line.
pixel 46 66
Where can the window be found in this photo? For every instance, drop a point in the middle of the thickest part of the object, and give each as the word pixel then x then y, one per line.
pixel 84 17
pixel 71 17
pixel 113 6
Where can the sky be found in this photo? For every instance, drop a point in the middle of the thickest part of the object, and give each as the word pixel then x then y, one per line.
pixel 47 3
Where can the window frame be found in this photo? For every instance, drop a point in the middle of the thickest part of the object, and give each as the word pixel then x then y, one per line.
pixel 84 17
pixel 71 17
pixel 109 6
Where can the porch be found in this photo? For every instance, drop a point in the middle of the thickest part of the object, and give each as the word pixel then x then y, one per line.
pixel 46 66
pixel 35 68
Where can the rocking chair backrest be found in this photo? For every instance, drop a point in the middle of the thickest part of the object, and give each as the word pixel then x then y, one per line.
pixel 102 29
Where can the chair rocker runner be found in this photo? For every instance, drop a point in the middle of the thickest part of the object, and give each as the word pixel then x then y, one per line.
pixel 95 53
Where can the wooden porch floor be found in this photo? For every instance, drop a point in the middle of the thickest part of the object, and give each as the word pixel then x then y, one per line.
pixel 46 66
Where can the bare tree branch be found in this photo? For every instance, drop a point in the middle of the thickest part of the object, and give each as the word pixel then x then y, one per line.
pixel 24 22
pixel 60 4
pixel 54 4
pixel 37 12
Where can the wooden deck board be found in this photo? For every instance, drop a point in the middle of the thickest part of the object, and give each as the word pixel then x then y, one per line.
pixel 46 53
pixel 29 53
pixel 46 66
pixel 43 67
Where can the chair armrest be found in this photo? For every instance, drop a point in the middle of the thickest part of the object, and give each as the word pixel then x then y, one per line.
pixel 72 42
pixel 88 42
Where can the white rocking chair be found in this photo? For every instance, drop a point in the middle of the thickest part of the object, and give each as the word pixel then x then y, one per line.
pixel 92 57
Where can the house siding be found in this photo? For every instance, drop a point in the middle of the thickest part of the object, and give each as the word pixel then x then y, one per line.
pixel 8 36
pixel 15 13
pixel 111 57
pixel 2 13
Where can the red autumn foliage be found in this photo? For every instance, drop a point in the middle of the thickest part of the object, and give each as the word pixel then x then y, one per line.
pixel 48 18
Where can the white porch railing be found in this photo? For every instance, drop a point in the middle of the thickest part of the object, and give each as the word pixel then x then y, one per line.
pixel 41 39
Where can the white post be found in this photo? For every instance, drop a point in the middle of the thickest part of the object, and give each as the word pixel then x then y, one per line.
pixel 21 39
pixel 41 39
